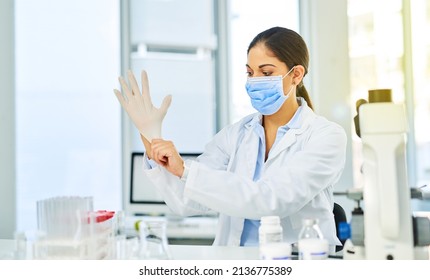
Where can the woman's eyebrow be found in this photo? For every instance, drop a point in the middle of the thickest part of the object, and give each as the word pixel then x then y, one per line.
pixel 262 65
pixel 268 64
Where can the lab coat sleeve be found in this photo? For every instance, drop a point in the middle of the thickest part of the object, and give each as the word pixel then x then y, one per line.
pixel 171 189
pixel 284 188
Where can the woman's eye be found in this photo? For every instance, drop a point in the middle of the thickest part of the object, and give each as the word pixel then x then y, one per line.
pixel 267 73
pixel 248 73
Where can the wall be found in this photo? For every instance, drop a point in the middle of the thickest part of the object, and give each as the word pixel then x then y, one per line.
pixel 7 120
pixel 324 26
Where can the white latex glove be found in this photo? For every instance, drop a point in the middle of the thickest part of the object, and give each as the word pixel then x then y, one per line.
pixel 147 118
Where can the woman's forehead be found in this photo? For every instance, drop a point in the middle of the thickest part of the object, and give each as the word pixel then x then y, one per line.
pixel 260 55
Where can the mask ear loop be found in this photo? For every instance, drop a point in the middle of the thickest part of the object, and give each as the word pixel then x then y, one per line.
pixel 292 85
pixel 288 72
pixel 289 92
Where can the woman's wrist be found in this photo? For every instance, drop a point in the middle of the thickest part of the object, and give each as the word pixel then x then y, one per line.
pixel 147 145
pixel 185 172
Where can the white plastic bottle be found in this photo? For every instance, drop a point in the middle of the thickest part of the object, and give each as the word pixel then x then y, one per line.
pixel 312 245
pixel 270 230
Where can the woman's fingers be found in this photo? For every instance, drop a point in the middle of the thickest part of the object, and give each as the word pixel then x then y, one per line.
pixel 145 90
pixel 125 88
pixel 162 150
pixel 165 153
pixel 133 83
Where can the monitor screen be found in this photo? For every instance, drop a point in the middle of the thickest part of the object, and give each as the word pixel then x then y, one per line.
pixel 143 198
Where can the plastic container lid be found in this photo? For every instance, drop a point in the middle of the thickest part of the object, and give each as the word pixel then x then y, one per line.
pixel 270 220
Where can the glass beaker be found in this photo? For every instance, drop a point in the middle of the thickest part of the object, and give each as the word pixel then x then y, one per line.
pixel 126 248
pixel 153 241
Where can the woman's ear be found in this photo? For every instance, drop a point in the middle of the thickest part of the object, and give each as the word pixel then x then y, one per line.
pixel 298 74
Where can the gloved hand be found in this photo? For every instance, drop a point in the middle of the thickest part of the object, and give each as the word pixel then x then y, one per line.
pixel 147 118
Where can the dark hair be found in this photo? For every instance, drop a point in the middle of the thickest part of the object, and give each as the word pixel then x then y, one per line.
pixel 289 47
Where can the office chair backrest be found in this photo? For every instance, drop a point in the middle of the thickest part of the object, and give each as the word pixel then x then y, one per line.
pixel 339 216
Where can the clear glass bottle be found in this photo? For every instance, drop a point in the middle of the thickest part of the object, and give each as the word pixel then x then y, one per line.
pixel 312 245
pixel 270 230
pixel 310 229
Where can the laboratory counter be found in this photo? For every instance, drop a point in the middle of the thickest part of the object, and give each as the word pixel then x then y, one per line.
pixel 178 252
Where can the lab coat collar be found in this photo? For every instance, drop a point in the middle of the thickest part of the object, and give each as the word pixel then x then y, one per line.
pixel 295 122
pixel 254 120
pixel 297 125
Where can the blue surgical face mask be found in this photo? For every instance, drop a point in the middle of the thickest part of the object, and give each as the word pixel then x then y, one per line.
pixel 267 94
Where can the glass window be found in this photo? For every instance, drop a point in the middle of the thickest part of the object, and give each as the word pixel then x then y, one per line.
pixel 420 25
pixel 375 57
pixel 378 59
pixel 420 52
pixel 248 18
pixel 68 119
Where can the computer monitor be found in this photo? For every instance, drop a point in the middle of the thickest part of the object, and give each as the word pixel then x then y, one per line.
pixel 143 197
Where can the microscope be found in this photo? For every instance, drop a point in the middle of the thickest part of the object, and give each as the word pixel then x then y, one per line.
pixel 385 229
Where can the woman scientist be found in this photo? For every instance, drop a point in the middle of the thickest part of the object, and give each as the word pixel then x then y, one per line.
pixel 283 160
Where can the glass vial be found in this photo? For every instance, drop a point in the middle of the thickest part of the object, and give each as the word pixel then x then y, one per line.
pixel 270 230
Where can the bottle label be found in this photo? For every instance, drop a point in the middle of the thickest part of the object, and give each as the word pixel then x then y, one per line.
pixel 313 255
pixel 270 238
pixel 275 251
pixel 313 249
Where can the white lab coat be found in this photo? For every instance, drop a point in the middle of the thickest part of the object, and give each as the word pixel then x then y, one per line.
pixel 296 182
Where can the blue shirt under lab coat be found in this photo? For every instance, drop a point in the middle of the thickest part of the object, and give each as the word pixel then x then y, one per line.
pixel 250 228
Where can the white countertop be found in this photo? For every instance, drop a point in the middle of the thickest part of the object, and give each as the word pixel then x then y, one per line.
pixel 192 252
pixel 178 252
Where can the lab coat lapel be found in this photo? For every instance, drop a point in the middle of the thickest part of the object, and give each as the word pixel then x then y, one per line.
pixel 248 148
pixel 291 136
pixel 251 142
pixel 289 139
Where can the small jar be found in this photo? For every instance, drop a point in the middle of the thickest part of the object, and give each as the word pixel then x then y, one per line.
pixel 270 230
